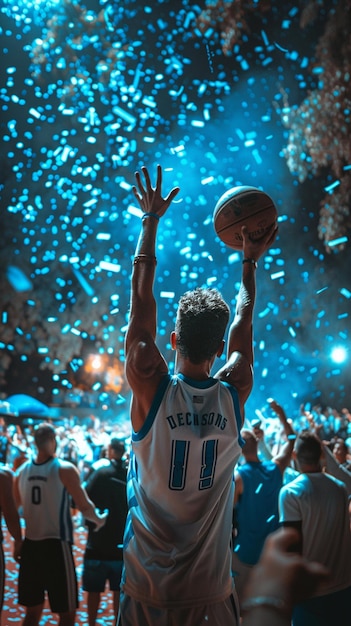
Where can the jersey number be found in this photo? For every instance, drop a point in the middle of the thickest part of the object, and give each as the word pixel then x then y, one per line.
pixel 179 464
pixel 36 495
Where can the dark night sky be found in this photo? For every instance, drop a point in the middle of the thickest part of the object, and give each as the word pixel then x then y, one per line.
pixel 213 122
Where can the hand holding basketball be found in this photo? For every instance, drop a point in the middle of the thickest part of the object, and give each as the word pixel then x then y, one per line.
pixel 254 248
pixel 244 206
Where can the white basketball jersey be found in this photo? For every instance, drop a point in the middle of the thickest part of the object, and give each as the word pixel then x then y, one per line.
pixel 180 495
pixel 45 501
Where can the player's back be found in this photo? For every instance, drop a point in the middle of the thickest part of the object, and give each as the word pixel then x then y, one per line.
pixel 180 494
pixel 45 501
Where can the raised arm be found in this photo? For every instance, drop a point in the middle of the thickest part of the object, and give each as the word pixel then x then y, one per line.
pixel 238 369
pixel 144 363
pixel 283 458
pixel 333 468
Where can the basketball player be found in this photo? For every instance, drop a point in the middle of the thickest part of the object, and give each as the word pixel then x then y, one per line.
pixel 9 511
pixel 185 440
pixel 43 488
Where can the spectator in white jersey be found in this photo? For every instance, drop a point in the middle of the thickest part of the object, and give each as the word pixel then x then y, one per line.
pixel 185 439
pixel 316 504
pixel 43 488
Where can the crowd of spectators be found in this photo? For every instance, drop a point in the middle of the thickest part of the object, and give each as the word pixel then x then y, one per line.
pixel 330 422
pixel 80 441
pixel 84 441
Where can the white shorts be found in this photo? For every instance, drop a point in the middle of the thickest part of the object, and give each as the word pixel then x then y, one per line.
pixel 132 612
pixel 241 572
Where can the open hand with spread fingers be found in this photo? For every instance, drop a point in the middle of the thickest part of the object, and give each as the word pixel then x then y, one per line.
pixel 150 198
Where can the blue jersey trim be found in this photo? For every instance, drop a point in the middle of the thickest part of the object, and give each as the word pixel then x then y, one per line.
pixel 199 384
pixel 235 397
pixel 153 410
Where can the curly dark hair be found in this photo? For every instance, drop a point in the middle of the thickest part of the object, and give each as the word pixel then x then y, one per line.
pixel 308 448
pixel 201 322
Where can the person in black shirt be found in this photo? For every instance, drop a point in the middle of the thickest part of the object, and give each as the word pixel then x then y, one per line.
pixel 103 556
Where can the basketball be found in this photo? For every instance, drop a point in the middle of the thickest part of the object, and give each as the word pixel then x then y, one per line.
pixel 239 206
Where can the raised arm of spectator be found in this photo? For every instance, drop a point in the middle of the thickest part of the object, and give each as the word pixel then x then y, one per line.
pixel 263 448
pixel 333 468
pixel 283 458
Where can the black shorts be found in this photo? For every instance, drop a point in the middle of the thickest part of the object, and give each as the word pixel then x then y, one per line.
pixel 97 572
pixel 48 566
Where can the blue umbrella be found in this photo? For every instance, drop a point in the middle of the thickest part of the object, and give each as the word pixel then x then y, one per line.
pixel 26 405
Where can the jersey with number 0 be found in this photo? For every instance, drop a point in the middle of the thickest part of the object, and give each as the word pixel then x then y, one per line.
pixel 45 501
pixel 180 495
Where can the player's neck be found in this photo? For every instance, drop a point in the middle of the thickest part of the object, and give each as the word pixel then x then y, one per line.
pixel 252 458
pixel 42 457
pixel 196 371
pixel 306 468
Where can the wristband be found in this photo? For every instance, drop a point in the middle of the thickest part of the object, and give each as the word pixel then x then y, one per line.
pixel 251 261
pixel 269 601
pixel 144 215
pixel 145 258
